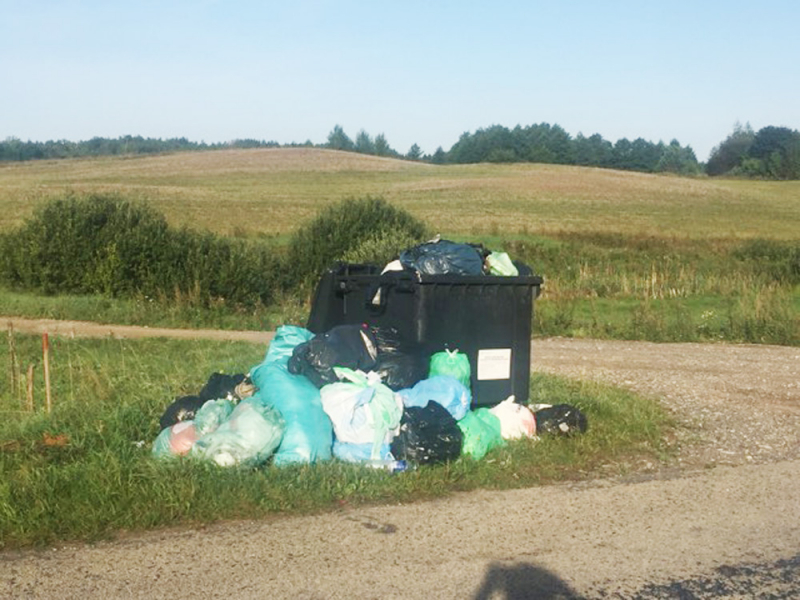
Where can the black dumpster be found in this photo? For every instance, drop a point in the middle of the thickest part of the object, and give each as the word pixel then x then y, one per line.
pixel 486 317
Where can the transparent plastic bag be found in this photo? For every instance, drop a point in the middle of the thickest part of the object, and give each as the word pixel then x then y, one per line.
pixel 362 409
pixel 211 415
pixel 176 440
pixel 500 263
pixel 249 437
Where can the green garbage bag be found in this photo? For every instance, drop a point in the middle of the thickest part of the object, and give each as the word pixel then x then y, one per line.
pixel 481 431
pixel 452 363
pixel 500 263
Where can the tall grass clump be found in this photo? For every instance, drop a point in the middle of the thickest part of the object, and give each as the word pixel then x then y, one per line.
pixel 105 244
pixel 367 229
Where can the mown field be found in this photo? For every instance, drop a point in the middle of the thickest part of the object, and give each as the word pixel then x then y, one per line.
pixel 267 192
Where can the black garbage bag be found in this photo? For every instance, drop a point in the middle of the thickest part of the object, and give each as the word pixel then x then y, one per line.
pixel 428 435
pixel 351 346
pixel 218 386
pixel 561 419
pixel 181 409
pixel 401 363
pixel 444 257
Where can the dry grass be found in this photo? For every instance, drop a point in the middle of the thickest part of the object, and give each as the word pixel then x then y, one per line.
pixel 270 191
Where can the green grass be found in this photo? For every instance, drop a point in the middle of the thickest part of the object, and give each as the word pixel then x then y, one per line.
pixel 602 286
pixel 85 472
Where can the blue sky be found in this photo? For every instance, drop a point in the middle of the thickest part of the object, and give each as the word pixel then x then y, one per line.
pixel 417 71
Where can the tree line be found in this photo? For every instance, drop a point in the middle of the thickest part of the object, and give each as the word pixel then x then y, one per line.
pixel 772 152
pixel 14 149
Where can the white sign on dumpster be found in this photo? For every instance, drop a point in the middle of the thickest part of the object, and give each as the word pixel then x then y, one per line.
pixel 494 364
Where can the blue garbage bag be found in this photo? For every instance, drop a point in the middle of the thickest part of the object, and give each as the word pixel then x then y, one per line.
pixel 283 344
pixel 357 453
pixel 308 436
pixel 442 389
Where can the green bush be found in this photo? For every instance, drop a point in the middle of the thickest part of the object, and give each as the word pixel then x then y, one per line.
pixel 107 245
pixel 381 248
pixel 354 227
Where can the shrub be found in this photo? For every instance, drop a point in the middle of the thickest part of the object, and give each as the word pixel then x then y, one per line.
pixel 366 227
pixel 381 248
pixel 107 245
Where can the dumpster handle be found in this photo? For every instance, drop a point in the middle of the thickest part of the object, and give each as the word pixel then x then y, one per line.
pixel 376 295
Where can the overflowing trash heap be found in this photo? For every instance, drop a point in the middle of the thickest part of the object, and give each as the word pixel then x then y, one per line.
pixel 362 392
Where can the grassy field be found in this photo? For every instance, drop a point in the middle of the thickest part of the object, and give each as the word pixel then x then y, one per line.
pixel 268 192
pixel 86 472
pixel 624 255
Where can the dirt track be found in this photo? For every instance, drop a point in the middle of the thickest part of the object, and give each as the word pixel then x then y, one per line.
pixel 724 521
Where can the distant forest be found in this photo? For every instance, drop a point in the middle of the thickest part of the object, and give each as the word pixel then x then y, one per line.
pixel 769 153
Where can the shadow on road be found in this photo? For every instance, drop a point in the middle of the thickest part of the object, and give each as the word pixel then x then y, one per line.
pixel 523 581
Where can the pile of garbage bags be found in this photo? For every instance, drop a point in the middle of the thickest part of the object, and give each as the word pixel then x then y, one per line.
pixel 354 393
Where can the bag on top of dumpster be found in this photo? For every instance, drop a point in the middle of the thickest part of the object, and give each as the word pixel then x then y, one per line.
pixel 175 440
pixel 248 437
pixel 444 389
pixel 308 435
pixel 362 409
pixel 481 431
pixel 211 415
pixel 516 420
pixel 453 363
pixel 349 346
pixel 500 263
pixel 400 363
pixel 357 453
pixel 428 435
pixel 443 257
pixel 561 419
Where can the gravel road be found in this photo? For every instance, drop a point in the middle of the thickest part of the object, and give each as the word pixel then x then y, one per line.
pixel 722 522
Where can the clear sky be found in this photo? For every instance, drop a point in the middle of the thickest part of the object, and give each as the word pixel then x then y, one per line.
pixel 418 71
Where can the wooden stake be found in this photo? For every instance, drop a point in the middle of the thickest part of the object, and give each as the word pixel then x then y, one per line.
pixel 12 353
pixel 46 357
pixel 30 388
